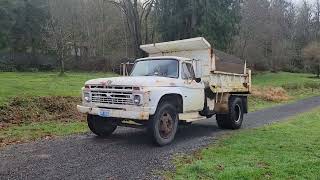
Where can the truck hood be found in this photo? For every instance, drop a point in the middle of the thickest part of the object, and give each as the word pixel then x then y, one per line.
pixel 138 81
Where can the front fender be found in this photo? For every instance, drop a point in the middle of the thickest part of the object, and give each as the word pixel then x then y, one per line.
pixel 156 93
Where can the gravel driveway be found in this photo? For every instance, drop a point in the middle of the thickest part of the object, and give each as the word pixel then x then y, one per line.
pixel 128 154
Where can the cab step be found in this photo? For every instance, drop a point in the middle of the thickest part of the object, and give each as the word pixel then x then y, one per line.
pixel 191 117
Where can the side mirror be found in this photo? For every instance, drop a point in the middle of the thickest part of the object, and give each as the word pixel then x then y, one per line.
pixel 198 80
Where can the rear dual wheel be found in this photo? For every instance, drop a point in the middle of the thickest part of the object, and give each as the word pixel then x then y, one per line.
pixel 233 119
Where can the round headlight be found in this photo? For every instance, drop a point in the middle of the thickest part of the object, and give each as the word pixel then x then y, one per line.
pixel 137 100
pixel 87 97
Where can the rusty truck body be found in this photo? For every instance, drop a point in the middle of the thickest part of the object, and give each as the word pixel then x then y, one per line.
pixel 179 83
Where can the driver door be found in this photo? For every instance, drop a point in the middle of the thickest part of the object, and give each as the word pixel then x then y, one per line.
pixel 193 92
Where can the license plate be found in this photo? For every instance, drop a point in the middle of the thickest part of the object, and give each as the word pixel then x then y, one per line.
pixel 104 113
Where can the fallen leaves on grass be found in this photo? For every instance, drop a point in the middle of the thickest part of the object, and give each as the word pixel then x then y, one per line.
pixel 38 109
pixel 275 94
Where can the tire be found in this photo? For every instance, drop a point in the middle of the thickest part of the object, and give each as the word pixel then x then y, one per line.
pixel 234 119
pixel 100 126
pixel 164 124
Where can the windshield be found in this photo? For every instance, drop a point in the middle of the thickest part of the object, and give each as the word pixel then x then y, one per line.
pixel 157 67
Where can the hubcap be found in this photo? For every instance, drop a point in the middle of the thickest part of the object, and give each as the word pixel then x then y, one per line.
pixel 237 110
pixel 166 125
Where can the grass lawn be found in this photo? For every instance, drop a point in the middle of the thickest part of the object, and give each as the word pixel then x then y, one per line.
pixel 297 85
pixel 287 150
pixel 283 78
pixel 34 131
pixel 43 84
pixel 50 84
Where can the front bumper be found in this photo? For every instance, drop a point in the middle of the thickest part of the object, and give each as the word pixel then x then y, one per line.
pixel 115 113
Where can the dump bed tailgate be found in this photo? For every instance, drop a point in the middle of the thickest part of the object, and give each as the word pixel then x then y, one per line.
pixel 223 82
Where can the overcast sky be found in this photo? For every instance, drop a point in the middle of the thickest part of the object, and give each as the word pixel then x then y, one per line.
pixel 300 1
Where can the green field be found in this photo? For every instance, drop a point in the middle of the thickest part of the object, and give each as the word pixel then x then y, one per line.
pixel 43 84
pixel 50 84
pixel 283 78
pixel 24 85
pixel 297 85
pixel 35 131
pixel 287 150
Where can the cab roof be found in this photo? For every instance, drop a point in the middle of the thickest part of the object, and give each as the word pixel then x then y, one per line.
pixel 177 46
pixel 164 57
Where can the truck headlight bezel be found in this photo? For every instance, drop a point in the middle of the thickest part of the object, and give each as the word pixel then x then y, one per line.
pixel 137 100
pixel 87 97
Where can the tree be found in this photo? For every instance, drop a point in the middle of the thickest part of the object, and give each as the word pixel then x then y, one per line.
pixel 266 37
pixel 135 12
pixel 269 34
pixel 317 20
pixel 6 22
pixel 312 55
pixel 27 29
pixel 177 19
pixel 57 35
pixel 303 25
pixel 216 20
pixel 219 23
pixel 280 34
pixel 253 42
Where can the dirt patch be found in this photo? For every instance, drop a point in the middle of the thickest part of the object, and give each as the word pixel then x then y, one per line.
pixel 274 94
pixel 38 109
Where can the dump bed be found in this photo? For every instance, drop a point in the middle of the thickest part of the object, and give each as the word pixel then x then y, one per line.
pixel 220 71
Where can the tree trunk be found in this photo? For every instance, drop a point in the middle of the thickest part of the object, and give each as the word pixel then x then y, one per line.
pixel 76 52
pixel 318 20
pixel 61 59
pixel 34 61
pixel 146 28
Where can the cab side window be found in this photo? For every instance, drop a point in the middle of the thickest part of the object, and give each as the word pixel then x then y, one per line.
pixel 187 71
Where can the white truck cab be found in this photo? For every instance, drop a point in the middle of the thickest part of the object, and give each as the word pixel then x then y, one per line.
pixel 177 82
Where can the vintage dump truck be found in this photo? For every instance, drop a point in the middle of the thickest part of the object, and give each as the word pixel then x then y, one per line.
pixel 179 83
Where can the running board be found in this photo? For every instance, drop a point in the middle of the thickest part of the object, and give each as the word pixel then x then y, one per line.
pixel 191 117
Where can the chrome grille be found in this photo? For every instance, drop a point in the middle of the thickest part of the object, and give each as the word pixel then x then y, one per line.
pixel 120 96
pixel 111 87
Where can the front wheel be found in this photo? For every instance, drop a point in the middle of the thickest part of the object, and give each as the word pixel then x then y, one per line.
pixel 233 119
pixel 164 124
pixel 100 126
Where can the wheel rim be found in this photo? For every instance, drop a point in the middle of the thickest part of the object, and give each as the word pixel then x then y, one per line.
pixel 237 110
pixel 166 125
